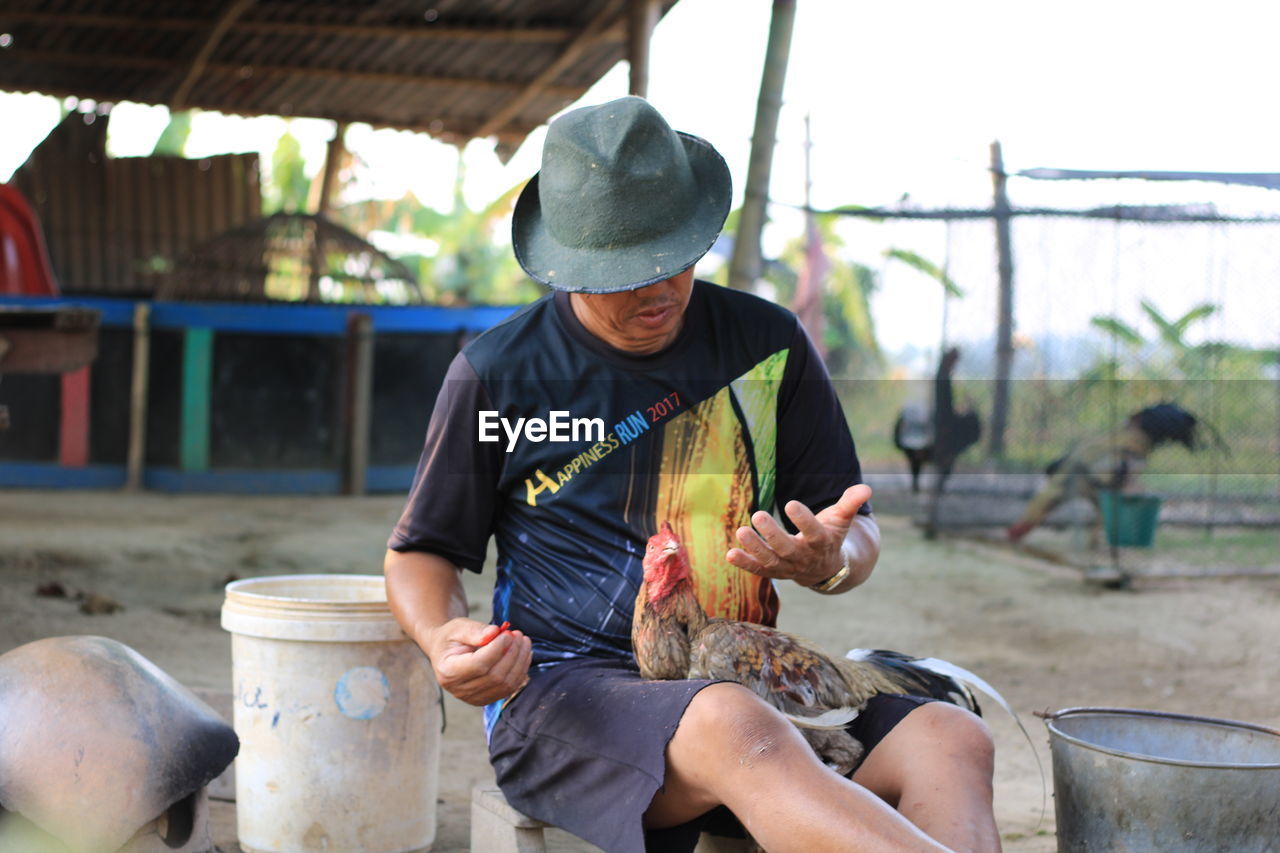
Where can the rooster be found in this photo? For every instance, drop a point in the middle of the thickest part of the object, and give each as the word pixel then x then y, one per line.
pixel 938 437
pixel 674 638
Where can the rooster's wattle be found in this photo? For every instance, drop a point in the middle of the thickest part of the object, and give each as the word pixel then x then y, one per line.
pixel 673 638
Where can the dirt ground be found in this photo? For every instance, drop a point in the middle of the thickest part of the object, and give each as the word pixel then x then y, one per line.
pixel 1030 627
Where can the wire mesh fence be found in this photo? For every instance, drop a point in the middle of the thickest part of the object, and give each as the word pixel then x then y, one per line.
pixel 1111 314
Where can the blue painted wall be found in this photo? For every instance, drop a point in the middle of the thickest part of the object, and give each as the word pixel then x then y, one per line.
pixel 276 399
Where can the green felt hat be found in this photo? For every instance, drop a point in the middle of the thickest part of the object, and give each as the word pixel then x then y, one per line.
pixel 622 201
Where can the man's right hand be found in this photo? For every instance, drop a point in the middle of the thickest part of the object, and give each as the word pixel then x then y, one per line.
pixel 477 662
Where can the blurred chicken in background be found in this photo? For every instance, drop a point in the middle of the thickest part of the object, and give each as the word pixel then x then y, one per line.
pixel 940 436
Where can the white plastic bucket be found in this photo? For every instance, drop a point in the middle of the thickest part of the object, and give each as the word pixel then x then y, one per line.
pixel 338 715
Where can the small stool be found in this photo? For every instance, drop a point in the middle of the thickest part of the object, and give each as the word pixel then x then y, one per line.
pixel 496 827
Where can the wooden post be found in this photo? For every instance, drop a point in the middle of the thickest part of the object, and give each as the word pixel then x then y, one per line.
pixel 328 175
pixel 197 376
pixel 137 455
pixel 359 399
pixel 642 16
pixel 810 286
pixel 1004 310
pixel 744 266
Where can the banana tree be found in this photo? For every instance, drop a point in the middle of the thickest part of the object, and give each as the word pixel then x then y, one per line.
pixel 287 187
pixel 921 264
pixel 1168 355
pixel 849 334
pixel 929 268
pixel 172 141
pixel 462 261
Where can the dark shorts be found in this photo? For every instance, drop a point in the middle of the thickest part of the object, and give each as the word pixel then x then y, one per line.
pixel 583 747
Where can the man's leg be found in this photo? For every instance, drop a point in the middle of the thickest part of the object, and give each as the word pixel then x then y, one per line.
pixel 1042 503
pixel 936 767
pixel 732 749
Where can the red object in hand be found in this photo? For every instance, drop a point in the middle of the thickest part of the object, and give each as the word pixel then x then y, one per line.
pixel 503 628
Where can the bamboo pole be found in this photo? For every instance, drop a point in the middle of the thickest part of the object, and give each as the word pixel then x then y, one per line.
pixel 744 266
pixel 812 281
pixel 1004 309
pixel 329 174
pixel 641 19
pixel 328 177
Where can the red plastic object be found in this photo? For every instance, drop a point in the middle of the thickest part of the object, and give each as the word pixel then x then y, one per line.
pixel 24 260
pixel 504 627
pixel 73 433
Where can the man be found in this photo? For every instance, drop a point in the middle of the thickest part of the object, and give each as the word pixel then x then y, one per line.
pixel 1111 461
pixel 629 396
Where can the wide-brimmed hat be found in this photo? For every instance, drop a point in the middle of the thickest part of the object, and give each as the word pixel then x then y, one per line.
pixel 622 200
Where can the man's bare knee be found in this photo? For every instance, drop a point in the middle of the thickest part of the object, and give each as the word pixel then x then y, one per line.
pixel 936 767
pixel 961 733
pixel 932 742
pixel 742 728
pixel 725 731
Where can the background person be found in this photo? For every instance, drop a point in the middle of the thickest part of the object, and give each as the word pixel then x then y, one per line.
pixel 1111 461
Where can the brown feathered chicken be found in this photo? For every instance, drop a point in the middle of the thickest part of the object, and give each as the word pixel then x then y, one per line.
pixel 673 638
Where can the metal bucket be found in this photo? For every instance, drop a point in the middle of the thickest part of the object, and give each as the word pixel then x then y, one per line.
pixel 1128 781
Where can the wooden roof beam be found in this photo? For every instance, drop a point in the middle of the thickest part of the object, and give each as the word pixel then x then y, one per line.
pixel 444 130
pixel 80 19
pixel 431 32
pixel 434 33
pixel 102 60
pixel 233 10
pixel 591 34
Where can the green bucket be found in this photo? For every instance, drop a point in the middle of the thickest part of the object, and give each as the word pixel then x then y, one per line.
pixel 1130 520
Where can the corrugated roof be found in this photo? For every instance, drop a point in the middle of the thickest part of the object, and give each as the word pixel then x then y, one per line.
pixel 455 69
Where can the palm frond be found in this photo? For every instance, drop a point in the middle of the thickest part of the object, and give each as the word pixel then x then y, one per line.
pixel 1118 329
pixel 1199 312
pixel 926 266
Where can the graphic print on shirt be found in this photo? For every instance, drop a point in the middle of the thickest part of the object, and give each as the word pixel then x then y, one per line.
pixel 631 426
pixel 717 467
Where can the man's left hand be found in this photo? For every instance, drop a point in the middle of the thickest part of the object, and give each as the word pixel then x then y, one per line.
pixel 807 557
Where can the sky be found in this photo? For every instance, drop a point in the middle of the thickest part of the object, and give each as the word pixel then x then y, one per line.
pixel 903 100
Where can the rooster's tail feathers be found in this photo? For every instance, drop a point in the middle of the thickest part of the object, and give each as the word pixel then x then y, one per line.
pixel 924 677
pixel 964 679
pixel 835 718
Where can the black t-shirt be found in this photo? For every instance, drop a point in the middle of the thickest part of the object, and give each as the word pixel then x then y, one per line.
pixel 736 415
